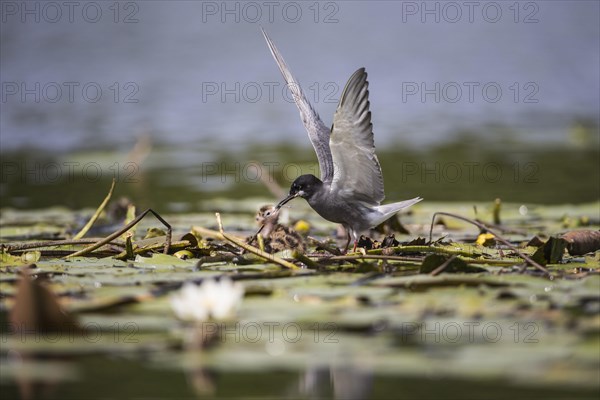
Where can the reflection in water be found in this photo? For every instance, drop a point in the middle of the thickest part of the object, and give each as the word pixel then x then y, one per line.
pixel 202 381
pixel 349 381
pixel 196 339
pixel 344 377
pixel 159 375
pixel 315 383
pixel 38 377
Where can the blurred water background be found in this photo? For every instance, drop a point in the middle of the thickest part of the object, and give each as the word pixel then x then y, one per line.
pixel 455 88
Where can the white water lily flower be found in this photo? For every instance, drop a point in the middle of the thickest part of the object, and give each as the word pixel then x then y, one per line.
pixel 212 299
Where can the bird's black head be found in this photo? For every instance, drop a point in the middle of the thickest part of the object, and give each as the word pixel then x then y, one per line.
pixel 304 186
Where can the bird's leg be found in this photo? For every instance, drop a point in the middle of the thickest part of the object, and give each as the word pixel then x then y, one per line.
pixel 355 244
pixel 348 241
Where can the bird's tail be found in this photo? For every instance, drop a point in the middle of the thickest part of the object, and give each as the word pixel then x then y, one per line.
pixel 388 210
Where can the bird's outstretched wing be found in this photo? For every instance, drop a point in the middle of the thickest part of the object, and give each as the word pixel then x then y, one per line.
pixel 317 131
pixel 357 171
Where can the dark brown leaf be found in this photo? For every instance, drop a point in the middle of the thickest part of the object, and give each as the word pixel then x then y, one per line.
pixel 551 252
pixel 37 309
pixel 582 242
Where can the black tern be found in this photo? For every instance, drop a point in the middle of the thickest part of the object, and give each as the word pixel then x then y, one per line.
pixel 350 190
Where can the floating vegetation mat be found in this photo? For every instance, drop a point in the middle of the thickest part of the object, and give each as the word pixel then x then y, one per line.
pixel 481 300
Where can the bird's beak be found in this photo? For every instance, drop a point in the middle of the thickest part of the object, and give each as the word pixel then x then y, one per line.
pixel 289 198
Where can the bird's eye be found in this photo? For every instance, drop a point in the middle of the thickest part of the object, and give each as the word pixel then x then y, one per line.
pixel 268 213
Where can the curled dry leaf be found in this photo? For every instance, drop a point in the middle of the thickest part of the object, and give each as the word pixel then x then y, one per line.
pixel 582 242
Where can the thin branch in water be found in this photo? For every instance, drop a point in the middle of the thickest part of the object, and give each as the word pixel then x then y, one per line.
pixel 442 267
pixel 34 245
pixel 118 233
pixel 299 256
pixel 423 249
pixel 485 228
pixel 371 257
pixel 325 246
pixel 92 220
pixel 252 238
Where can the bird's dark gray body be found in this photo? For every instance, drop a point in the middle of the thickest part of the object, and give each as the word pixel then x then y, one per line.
pixel 349 214
pixel 350 190
pixel 353 216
